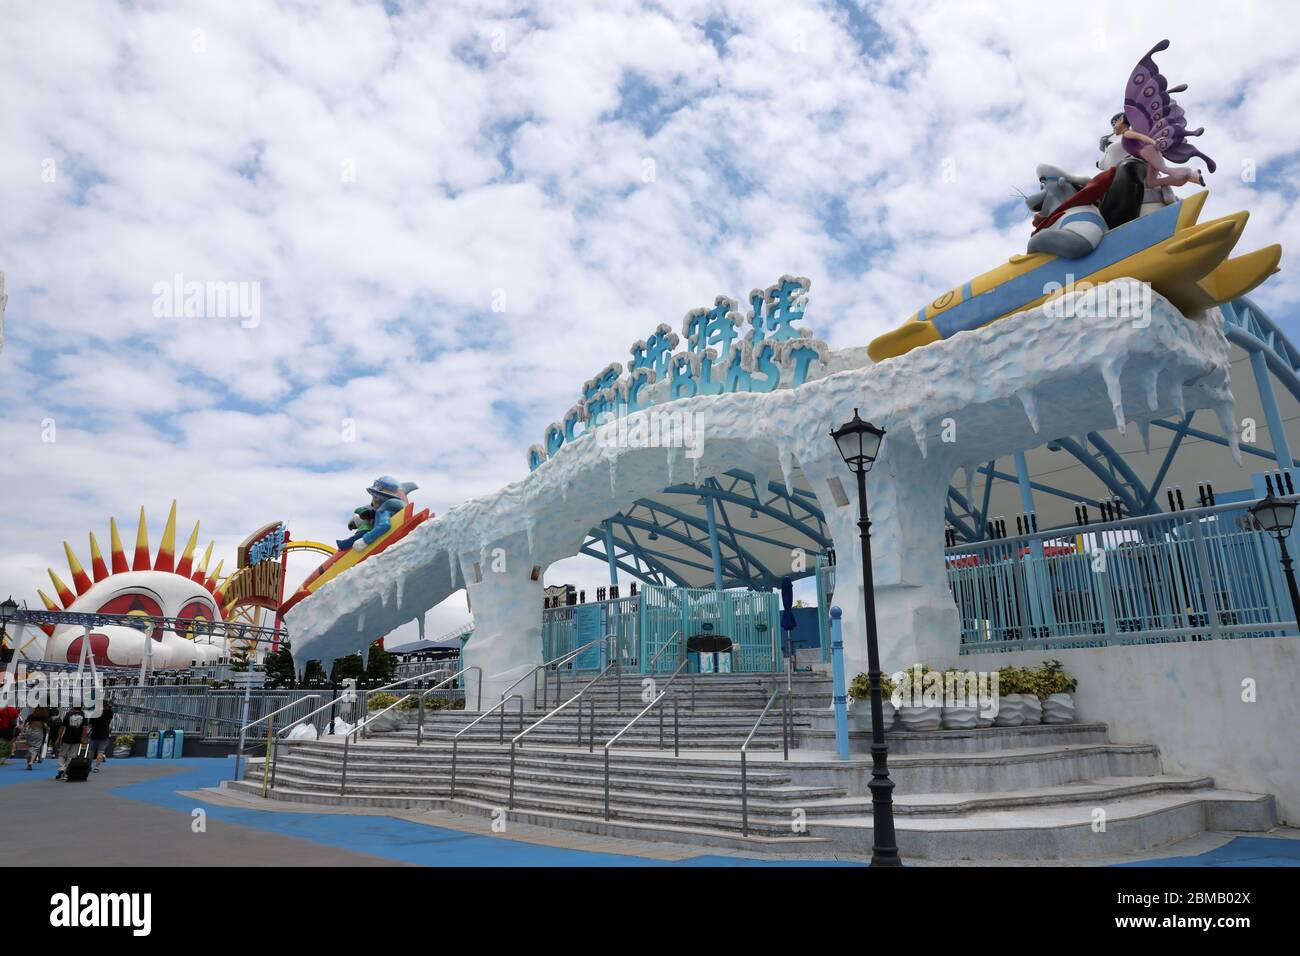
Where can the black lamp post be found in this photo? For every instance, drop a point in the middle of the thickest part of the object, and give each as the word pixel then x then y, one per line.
pixel 8 610
pixel 1276 516
pixel 859 443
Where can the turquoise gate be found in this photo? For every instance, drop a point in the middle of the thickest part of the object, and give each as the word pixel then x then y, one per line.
pixel 648 621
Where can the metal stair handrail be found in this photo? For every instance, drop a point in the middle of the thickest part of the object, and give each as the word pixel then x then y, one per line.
pixel 654 703
pixel 556 662
pixel 614 665
pixel 501 739
pixel 356 731
pixel 744 748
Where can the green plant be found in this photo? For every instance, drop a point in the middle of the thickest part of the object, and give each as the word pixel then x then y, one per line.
pixel 860 689
pixel 1051 678
pixel 1016 680
pixel 381 700
pixel 124 740
pixel 913 682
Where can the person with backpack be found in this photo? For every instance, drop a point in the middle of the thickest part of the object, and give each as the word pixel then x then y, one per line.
pixel 72 735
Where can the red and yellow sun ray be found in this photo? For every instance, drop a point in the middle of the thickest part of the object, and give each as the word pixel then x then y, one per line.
pixel 115 545
pixel 187 558
pixel 141 562
pixel 97 568
pixel 80 580
pixel 61 589
pixel 167 550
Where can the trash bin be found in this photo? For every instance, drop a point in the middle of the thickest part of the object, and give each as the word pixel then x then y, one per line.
pixel 152 748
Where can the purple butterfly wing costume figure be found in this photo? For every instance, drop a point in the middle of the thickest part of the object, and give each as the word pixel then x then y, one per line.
pixel 1152 111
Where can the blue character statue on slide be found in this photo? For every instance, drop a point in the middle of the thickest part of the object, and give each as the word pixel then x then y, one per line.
pixel 388 496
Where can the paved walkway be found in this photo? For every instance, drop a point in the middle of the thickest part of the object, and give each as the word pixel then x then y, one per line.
pixel 143 812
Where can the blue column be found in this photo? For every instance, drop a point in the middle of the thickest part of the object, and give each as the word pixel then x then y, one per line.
pixel 1040 597
pixel 837 666
pixel 1276 430
pixel 713 542
pixel 609 551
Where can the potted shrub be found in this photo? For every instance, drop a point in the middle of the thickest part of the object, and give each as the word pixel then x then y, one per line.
pixel 920 699
pixel 1018 702
pixel 860 702
pixel 960 702
pixel 1056 689
pixel 122 745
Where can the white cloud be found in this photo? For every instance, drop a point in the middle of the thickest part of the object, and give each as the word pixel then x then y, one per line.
pixel 381 179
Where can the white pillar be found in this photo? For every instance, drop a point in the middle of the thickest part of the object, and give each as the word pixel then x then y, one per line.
pixel 506 603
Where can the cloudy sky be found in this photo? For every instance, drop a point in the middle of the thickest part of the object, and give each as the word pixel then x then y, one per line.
pixel 454 213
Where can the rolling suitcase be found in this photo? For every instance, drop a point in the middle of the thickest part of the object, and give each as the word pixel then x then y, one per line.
pixel 79 766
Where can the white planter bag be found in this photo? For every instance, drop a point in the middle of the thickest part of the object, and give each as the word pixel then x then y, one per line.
pixel 1033 709
pixel 960 718
pixel 302 732
pixel 1011 711
pixel 1059 709
pixel 920 718
pixel 860 715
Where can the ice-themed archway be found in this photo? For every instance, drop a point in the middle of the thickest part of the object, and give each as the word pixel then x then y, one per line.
pixel 954 404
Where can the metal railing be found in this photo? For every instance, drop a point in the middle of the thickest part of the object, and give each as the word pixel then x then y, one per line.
pixel 357 731
pixel 786 723
pixel 515 740
pixel 556 663
pixel 609 744
pixel 243 731
pixel 1199 574
pixel 501 738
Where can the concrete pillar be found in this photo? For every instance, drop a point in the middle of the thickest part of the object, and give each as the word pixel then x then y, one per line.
pixel 916 618
pixel 506 603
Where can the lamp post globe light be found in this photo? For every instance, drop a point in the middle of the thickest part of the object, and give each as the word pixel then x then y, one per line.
pixel 8 610
pixel 859 442
pixel 1276 515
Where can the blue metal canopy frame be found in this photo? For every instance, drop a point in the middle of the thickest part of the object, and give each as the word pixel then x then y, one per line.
pixel 715 543
pixel 1272 357
pixel 711 544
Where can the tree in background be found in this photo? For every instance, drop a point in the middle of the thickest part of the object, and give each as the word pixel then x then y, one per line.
pixel 279 665
pixel 313 673
pixel 381 664
pixel 239 661
pixel 346 667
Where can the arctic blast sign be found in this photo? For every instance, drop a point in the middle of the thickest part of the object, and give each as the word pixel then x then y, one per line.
pixel 720 356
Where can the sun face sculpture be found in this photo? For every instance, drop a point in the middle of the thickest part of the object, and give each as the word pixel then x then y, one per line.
pixel 158 587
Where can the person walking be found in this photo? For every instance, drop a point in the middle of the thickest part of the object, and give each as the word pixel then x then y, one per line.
pixel 72 734
pixel 34 731
pixel 100 729
pixel 8 730
pixel 52 734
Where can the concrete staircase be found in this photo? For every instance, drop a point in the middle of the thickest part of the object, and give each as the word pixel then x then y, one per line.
pixel 1039 792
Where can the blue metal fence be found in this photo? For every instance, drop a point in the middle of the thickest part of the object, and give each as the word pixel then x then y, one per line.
pixel 646 622
pixel 1191 575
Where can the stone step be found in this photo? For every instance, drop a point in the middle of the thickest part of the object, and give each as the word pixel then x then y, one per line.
pixel 950 741
pixel 787 845
pixel 624 790
pixel 1059 831
pixel 621 767
pixel 766 818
